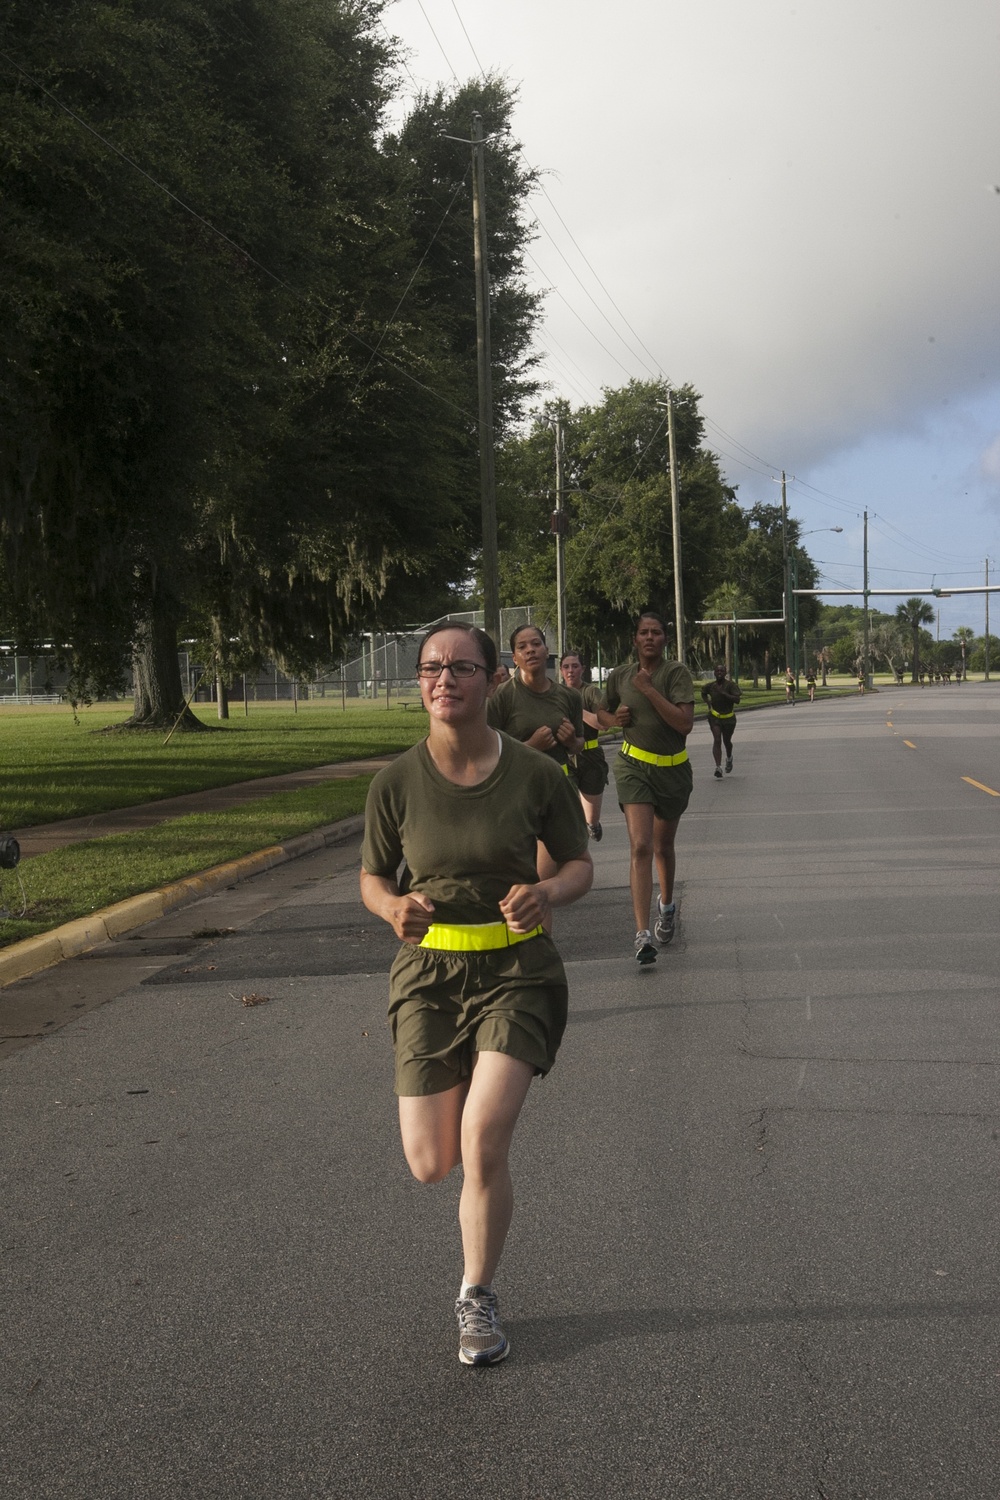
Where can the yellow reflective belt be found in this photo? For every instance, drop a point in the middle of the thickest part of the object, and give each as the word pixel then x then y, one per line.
pixel 590 744
pixel 565 767
pixel 476 937
pixel 716 715
pixel 650 758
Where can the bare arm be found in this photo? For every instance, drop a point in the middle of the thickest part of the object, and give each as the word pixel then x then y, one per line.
pixel 679 716
pixel 408 916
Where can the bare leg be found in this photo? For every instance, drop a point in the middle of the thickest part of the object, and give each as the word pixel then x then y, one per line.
pixel 591 806
pixel 716 729
pixel 639 822
pixel 664 834
pixel 498 1089
pixel 431 1129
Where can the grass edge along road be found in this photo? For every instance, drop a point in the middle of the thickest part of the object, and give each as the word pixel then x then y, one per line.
pixel 87 877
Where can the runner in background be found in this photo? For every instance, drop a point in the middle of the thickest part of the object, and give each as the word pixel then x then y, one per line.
pixel 789 686
pixel 652 701
pixel 539 712
pixel 722 696
pixel 590 767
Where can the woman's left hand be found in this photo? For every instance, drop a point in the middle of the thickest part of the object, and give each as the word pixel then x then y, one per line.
pixel 525 907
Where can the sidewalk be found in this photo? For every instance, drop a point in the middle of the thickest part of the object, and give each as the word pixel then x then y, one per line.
pixel 30 956
pixel 42 837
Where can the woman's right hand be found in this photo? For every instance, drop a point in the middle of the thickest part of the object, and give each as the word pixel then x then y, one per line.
pixel 542 739
pixel 410 916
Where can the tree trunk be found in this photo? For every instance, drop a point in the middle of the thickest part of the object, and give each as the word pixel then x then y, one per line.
pixel 767 668
pixel 159 696
pixel 916 655
pixel 222 698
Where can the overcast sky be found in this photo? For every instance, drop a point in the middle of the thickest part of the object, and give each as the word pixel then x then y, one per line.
pixel 793 206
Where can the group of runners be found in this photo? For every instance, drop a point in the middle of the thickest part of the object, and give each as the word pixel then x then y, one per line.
pixel 472 838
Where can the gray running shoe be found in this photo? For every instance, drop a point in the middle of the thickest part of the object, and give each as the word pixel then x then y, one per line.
pixel 718 773
pixel 481 1340
pixel 729 764
pixel 596 832
pixel 645 953
pixel 666 921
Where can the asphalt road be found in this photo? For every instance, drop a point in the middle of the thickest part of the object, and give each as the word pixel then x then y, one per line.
pixel 755 1250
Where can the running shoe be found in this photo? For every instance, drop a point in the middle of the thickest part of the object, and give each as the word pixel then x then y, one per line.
pixel 481 1340
pixel 729 764
pixel 645 953
pixel 666 919
pixel 596 832
pixel 718 772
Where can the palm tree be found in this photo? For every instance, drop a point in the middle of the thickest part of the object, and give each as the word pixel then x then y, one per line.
pixel 964 635
pixel 914 613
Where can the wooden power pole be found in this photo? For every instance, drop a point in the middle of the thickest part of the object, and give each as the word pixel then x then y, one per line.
pixel 487 473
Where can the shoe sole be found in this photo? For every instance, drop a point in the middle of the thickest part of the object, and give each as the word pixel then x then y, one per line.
pixel 490 1358
pixel 646 955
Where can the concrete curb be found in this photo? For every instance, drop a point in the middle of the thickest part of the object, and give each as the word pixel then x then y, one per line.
pixel 33 954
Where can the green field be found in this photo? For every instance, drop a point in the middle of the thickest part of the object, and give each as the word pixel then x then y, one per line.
pixel 83 878
pixel 54 767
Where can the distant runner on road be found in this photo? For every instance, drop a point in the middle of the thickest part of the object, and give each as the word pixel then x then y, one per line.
pixel 722 696
pixel 543 714
pixel 789 686
pixel 477 993
pixel 590 767
pixel 652 700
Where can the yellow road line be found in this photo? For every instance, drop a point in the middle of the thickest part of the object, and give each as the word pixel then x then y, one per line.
pixel 910 743
pixel 980 786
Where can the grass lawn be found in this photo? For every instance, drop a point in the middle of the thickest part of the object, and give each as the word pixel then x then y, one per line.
pixel 52 767
pixel 83 878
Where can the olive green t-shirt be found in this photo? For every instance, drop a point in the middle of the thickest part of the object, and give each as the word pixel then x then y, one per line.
pixel 465 846
pixel 647 731
pixel 519 712
pixel 722 696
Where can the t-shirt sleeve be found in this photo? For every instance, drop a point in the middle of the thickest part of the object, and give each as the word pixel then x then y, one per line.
pixel 382 848
pixel 563 829
pixel 576 717
pixel 496 710
pixel 680 685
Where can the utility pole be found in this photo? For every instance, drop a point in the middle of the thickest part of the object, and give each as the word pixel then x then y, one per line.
pixel 675 512
pixel 986 643
pixel 560 527
pixel 487 474
pixel 864 620
pixel 786 592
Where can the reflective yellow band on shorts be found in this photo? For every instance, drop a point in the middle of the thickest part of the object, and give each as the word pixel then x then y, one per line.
pixel 716 715
pixel 650 758
pixel 591 744
pixel 565 767
pixel 476 937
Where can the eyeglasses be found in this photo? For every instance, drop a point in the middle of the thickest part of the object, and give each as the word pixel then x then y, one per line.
pixel 434 669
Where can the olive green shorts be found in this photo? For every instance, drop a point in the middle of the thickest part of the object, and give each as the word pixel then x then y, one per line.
pixel 590 772
pixel 446 1007
pixel 668 788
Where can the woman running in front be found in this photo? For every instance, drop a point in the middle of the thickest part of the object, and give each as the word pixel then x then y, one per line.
pixel 653 702
pixel 590 768
pixel 539 712
pixel 477 993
